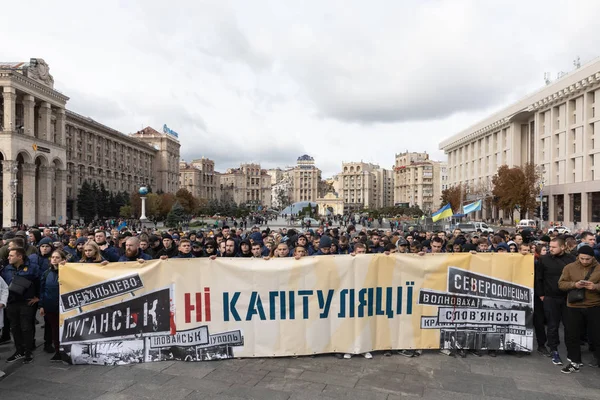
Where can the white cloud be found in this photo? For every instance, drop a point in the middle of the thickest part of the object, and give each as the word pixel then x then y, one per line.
pixel 267 81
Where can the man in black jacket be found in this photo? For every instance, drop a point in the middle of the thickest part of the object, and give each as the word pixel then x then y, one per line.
pixel 547 274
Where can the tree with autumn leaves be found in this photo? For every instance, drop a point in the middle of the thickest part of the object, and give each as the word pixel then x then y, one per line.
pixel 516 188
pixel 453 195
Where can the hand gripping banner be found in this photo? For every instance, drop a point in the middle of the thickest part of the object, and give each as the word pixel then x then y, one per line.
pixel 201 309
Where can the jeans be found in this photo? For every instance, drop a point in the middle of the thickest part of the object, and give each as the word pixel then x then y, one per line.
pixel 21 318
pixel 555 309
pixel 576 323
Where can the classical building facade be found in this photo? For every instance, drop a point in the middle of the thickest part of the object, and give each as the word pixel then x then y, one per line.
pixel 417 181
pixel 364 185
pixel 166 161
pixel 281 192
pixel 46 152
pixel 306 178
pixel 558 129
pixel 330 204
pixel 247 185
pixel 199 177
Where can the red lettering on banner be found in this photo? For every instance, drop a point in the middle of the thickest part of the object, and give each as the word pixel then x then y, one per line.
pixel 197 306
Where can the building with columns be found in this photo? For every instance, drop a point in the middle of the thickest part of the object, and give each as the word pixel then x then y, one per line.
pixel 32 144
pixel 558 129
pixel 46 151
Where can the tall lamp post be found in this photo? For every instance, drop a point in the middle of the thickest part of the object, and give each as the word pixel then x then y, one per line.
pixel 542 203
pixel 14 183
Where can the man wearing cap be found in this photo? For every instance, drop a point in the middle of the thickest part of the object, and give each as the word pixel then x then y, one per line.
pixel 402 245
pixel 582 274
pixel 324 246
pixel 548 271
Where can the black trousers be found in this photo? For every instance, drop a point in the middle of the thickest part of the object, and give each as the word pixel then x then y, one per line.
pixel 21 318
pixel 6 329
pixel 577 318
pixel 555 309
pixel 539 321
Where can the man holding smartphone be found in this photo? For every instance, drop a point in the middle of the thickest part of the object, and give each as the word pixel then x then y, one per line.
pixel 583 275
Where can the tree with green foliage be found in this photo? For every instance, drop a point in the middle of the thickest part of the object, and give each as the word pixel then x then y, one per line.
pixel 176 215
pixel 86 202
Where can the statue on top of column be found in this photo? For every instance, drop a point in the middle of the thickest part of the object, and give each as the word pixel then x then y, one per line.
pixel 39 70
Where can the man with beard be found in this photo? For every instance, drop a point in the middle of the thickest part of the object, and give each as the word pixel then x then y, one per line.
pixel 133 251
pixel 110 253
pixel 169 249
pixel 229 248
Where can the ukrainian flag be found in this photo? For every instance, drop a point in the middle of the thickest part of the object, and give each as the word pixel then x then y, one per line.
pixel 443 212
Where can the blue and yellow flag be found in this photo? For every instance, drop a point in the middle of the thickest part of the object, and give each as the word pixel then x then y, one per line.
pixel 475 206
pixel 443 212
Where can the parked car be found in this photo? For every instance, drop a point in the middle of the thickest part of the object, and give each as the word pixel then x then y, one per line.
pixel 526 223
pixel 313 222
pixel 562 229
pixel 483 227
pixel 466 227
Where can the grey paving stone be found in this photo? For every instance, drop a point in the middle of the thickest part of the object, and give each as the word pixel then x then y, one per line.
pixel 195 370
pixel 49 389
pixel 291 385
pixel 246 377
pixel 203 385
pixel 341 392
pixel 117 396
pixel 457 384
pixel 13 394
pixel 157 391
pixel 391 387
pixel 502 389
pixel 257 393
pixel 552 387
pixel 329 378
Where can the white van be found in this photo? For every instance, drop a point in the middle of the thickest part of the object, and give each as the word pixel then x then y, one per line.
pixel 483 227
pixel 526 223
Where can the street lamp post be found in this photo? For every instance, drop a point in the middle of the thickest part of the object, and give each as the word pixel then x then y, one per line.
pixel 14 182
pixel 542 203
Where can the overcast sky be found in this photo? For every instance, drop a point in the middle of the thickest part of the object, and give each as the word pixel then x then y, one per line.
pixel 268 81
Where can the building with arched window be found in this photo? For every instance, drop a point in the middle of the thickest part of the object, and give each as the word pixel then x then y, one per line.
pixel 47 152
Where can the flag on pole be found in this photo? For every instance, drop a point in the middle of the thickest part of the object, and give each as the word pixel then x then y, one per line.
pixel 443 212
pixel 475 206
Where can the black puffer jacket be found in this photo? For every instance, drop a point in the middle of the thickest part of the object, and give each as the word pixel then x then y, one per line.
pixel 547 273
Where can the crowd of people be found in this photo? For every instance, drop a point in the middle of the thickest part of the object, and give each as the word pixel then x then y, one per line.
pixel 566 288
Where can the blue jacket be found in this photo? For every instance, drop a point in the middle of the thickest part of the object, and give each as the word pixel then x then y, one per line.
pixel 41 261
pixel 29 271
pixel 49 291
pixel 70 250
pixel 111 254
pixel 139 255
pixel 189 255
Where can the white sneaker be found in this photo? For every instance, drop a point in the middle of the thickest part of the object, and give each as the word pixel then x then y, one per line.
pixel 368 356
pixel 347 356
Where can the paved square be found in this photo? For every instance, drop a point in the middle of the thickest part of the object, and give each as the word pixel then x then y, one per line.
pixel 431 376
